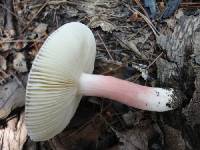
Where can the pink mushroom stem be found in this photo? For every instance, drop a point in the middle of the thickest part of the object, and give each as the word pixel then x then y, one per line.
pixel 131 94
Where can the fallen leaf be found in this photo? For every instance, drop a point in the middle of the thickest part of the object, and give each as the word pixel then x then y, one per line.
pixel 143 69
pixel 132 118
pixel 161 6
pixel 12 95
pixel 19 63
pixel 173 139
pixel 171 22
pixel 3 65
pixel 70 11
pixel 4 45
pixel 41 28
pixel 136 139
pixel 104 24
pixel 14 135
pixel 135 17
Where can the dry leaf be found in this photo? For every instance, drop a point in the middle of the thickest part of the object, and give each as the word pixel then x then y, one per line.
pixel 12 95
pixel 171 22
pixel 14 135
pixel 97 7
pixel 161 6
pixel 41 28
pixel 19 63
pixel 133 47
pixel 179 14
pixel 105 25
pixel 4 45
pixel 173 139
pixel 143 70
pixel 71 11
pixel 132 118
pixel 3 65
pixel 136 138
pixel 135 17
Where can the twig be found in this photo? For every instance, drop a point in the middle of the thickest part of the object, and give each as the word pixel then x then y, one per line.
pixel 134 79
pixel 154 60
pixel 190 5
pixel 140 30
pixel 105 46
pixel 56 3
pixel 132 48
pixel 147 21
pixel 114 69
pixel 9 18
pixel 156 33
pixel 41 8
pixel 16 41
pixel 141 7
pixel 131 78
pixel 10 12
pixel 60 2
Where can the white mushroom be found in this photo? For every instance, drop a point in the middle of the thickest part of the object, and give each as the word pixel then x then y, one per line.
pixel 61 75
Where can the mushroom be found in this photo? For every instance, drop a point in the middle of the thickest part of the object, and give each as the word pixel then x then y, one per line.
pixel 61 75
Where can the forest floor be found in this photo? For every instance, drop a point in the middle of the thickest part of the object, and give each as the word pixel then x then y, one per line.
pixel 165 52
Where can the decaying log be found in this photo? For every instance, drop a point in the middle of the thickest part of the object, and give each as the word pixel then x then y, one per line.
pixel 166 70
pixel 196 47
pixel 192 112
pixel 14 134
pixel 177 46
pixel 176 43
pixel 183 63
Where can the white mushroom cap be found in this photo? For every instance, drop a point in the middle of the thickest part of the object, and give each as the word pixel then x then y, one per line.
pixel 52 92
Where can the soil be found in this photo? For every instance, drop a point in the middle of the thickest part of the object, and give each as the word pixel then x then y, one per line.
pixel 167 56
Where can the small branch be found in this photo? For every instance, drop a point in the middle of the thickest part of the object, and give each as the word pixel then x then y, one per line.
pixel 141 7
pixel 154 60
pixel 9 18
pixel 190 5
pixel 57 3
pixel 28 41
pixel 156 33
pixel 105 46
pixel 41 8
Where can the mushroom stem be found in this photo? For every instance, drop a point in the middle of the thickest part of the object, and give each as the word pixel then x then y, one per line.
pixel 131 94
